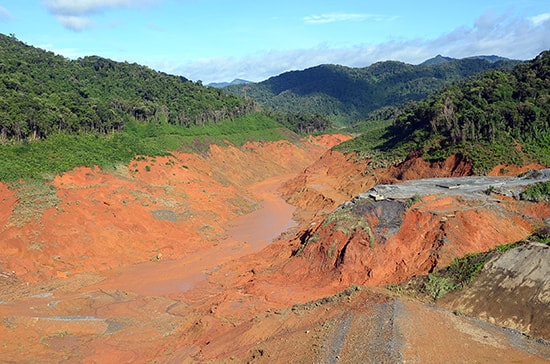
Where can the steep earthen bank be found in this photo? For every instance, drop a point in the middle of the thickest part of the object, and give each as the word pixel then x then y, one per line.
pixel 337 177
pixel 163 207
pixel 513 290
pixel 281 304
pixel 383 242
pixel 380 242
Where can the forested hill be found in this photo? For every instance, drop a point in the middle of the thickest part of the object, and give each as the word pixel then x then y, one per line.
pixel 499 117
pixel 441 59
pixel 347 95
pixel 42 93
pixel 497 107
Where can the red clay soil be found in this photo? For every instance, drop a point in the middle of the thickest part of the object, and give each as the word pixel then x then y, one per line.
pixel 429 236
pixel 431 233
pixel 94 220
pixel 170 260
pixel 337 177
pixel 512 170
pixel 156 226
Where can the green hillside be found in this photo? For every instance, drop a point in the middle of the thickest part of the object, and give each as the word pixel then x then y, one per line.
pixel 42 93
pixel 347 95
pixel 56 114
pixel 496 117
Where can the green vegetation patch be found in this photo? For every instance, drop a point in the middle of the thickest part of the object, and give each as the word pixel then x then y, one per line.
pixel 34 197
pixel 499 117
pixel 436 286
pixel 61 152
pixel 346 220
pixel 350 219
pixel 461 272
pixel 57 114
pixel 43 94
pixel 537 192
pixel 371 136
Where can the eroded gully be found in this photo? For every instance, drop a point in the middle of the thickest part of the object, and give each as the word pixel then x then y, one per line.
pixel 245 235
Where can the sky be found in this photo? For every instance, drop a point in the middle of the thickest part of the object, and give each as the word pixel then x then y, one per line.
pixel 221 40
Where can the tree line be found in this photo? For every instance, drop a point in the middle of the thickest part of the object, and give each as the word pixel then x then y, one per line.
pixel 42 93
pixel 494 107
pixel 347 95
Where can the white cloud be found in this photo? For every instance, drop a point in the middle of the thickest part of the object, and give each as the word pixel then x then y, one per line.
pixel 503 35
pixel 5 14
pixel 335 17
pixel 75 15
pixel 76 23
pixel 72 7
pixel 541 18
pixel 345 17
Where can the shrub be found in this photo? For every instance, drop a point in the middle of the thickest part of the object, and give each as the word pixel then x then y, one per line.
pixel 537 192
pixel 436 286
pixel 412 200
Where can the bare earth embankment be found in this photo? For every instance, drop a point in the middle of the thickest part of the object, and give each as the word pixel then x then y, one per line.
pixel 175 263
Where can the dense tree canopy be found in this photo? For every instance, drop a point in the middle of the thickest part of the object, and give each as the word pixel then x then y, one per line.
pixel 346 95
pixel 496 106
pixel 301 123
pixel 42 93
pixel 56 114
pixel 499 117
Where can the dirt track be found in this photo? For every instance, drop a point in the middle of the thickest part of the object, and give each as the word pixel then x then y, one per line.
pixel 469 187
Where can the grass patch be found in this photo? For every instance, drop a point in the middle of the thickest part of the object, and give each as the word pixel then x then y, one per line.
pixel 34 197
pixel 412 200
pixel 42 159
pixel 436 286
pixel 537 192
pixel 542 236
pixel 349 219
pixel 371 135
pixel 346 221
pixel 369 144
pixel 461 272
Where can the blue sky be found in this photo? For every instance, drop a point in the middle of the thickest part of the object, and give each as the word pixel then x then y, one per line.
pixel 219 40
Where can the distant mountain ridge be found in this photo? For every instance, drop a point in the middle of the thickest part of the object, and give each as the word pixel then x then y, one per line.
pixel 442 59
pixel 347 95
pixel 496 118
pixel 496 108
pixel 236 81
pixel 438 60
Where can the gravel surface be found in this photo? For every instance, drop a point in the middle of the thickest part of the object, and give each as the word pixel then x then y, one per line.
pixel 365 337
pixel 469 186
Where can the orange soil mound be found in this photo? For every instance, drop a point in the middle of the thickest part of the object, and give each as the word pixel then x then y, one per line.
pixel 162 207
pixel 430 235
pixel 513 170
pixel 174 284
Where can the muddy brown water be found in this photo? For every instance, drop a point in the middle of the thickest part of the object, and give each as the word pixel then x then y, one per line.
pixel 245 235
